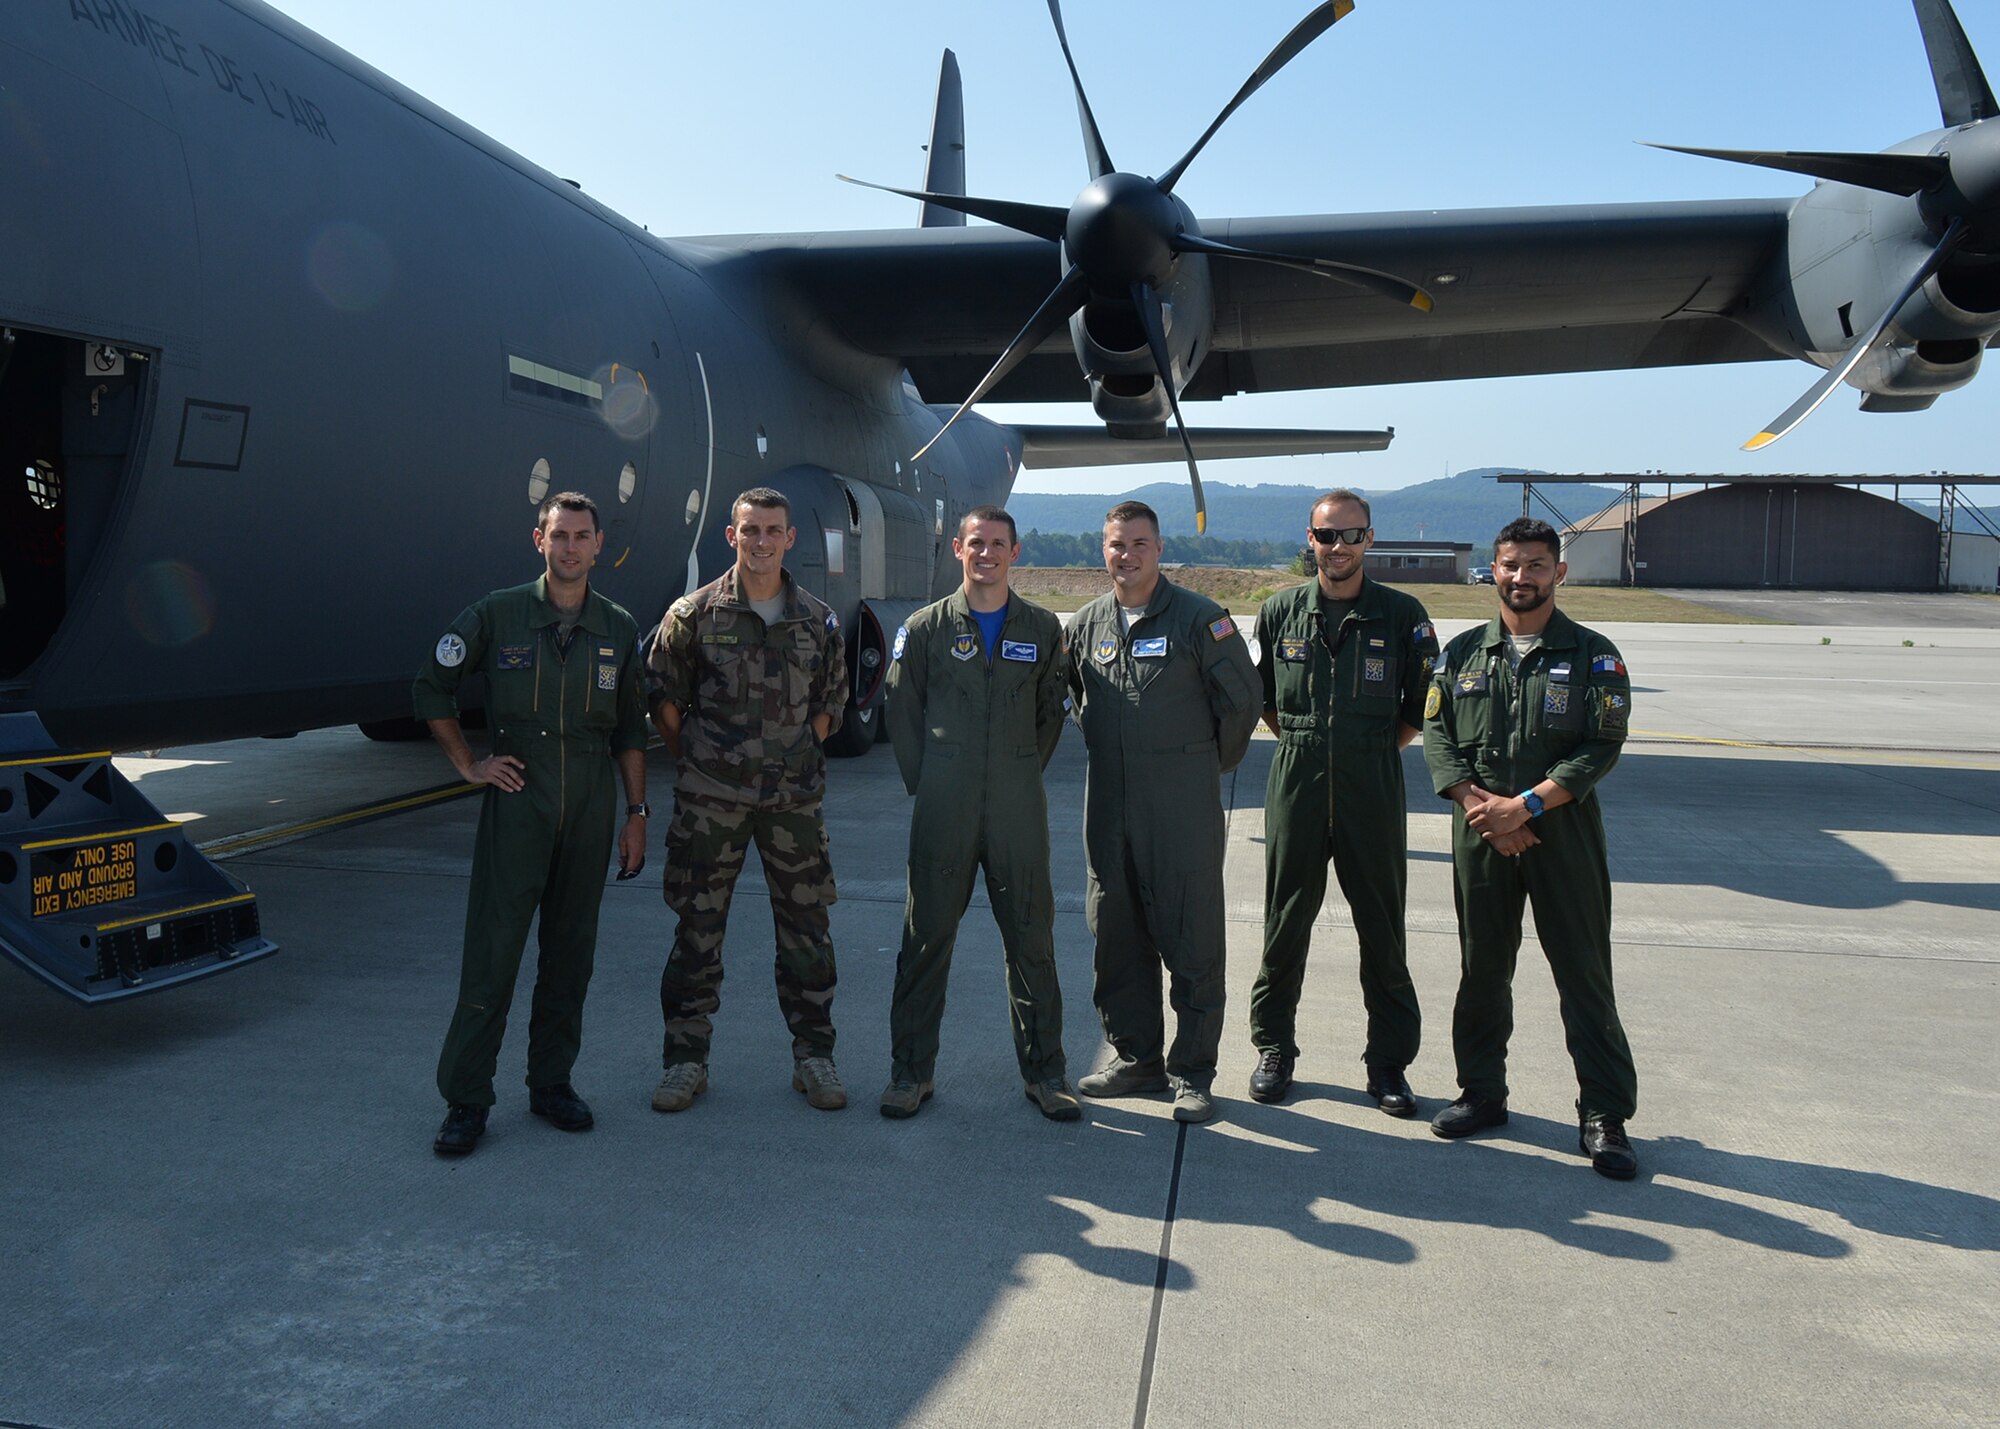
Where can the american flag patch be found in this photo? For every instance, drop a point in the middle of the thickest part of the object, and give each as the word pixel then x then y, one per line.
pixel 1222 629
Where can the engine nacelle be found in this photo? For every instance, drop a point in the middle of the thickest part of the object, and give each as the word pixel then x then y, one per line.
pixel 1125 389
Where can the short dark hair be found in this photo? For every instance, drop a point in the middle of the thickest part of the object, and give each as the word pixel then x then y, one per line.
pixel 768 496
pixel 1133 511
pixel 991 513
pixel 566 501
pixel 1340 494
pixel 1526 530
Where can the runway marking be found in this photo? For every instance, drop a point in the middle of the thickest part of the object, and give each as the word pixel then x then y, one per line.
pixel 235 845
pixel 1160 1280
pixel 1655 736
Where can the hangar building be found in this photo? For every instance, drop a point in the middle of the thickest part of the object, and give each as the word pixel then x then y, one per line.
pixel 1750 532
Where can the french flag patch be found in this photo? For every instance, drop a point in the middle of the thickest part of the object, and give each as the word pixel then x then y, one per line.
pixel 1607 665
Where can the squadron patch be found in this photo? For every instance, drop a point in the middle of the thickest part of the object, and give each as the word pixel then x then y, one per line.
pixel 1433 702
pixel 607 677
pixel 1617 709
pixel 1374 670
pixel 1556 701
pixel 1222 629
pixel 1153 649
pixel 964 647
pixel 1106 650
pixel 1472 682
pixel 682 609
pixel 902 642
pixel 513 657
pixel 1294 650
pixel 1019 650
pixel 451 652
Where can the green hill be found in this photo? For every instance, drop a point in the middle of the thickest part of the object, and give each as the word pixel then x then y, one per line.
pixel 1470 506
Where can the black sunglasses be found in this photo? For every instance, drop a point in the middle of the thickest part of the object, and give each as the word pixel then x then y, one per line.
pixel 1327 535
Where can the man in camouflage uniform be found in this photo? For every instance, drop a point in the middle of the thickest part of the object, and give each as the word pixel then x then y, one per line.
pixel 1534 702
pixel 976 705
pixel 1168 700
pixel 563 692
pixel 748 677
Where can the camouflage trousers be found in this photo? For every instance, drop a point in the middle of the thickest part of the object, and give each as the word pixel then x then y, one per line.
pixel 705 850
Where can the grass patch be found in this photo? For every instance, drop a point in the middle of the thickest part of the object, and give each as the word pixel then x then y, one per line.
pixel 1243 591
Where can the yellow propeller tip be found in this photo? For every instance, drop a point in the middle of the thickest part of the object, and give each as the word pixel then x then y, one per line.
pixel 1343 9
pixel 1201 523
pixel 1760 441
pixel 1421 301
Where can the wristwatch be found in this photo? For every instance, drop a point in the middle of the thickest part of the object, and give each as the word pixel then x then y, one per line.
pixel 1532 802
pixel 644 811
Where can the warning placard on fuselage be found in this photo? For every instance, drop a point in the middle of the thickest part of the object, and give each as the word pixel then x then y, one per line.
pixel 85 876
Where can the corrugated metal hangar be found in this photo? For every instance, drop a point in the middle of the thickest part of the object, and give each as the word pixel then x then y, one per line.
pixel 1796 531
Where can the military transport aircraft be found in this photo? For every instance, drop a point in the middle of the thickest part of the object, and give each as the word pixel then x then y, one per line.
pixel 250 286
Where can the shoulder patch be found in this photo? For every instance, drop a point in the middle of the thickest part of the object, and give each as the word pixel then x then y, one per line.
pixel 902 642
pixel 681 609
pixel 1434 701
pixel 1221 629
pixel 832 621
pixel 1607 665
pixel 1422 631
pixel 450 651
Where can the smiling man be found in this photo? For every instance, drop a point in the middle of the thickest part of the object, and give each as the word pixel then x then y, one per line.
pixel 1345 663
pixel 1535 703
pixel 748 677
pixel 565 700
pixel 976 705
pixel 1167 695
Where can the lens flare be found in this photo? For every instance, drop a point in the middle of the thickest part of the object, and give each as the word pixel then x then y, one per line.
pixel 169 604
pixel 350 267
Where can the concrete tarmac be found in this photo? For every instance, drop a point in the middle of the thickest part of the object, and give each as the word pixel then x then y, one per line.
pixel 222 1208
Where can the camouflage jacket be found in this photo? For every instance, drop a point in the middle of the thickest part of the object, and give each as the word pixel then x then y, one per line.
pixel 748 692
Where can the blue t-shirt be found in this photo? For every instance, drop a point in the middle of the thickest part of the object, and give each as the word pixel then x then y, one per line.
pixel 989 622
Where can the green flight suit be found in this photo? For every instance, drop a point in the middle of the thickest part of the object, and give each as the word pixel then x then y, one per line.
pixel 972 736
pixel 1563 716
pixel 563 713
pixel 1167 708
pixel 1342 692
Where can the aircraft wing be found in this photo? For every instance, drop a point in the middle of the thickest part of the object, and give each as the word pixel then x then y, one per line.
pixel 1570 289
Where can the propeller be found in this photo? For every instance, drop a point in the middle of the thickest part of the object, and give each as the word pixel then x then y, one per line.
pixel 1956 187
pixel 1123 235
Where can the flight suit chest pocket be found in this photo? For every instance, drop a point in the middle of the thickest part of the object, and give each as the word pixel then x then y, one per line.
pixel 600 670
pixel 512 674
pixel 1561 707
pixel 1375 677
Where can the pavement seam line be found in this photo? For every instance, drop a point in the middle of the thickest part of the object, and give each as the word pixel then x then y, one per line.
pixel 1144 1400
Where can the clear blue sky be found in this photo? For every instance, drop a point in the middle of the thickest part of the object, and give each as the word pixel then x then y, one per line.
pixel 700 118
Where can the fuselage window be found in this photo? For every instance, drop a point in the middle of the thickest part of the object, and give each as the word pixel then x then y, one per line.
pixel 628 482
pixel 538 480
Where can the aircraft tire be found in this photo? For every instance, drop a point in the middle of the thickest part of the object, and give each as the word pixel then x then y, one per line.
pixel 400 730
pixel 857 733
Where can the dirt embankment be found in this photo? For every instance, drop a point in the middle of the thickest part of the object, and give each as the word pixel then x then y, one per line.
pixel 1237 589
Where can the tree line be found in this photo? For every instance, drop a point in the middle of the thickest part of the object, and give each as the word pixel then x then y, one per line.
pixel 1060 548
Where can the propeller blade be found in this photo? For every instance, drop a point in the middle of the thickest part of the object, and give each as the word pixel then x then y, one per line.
pixel 1032 218
pixel 1823 388
pixel 1962 91
pixel 1094 152
pixel 1886 173
pixel 1147 301
pixel 1055 310
pixel 1303 34
pixel 1388 285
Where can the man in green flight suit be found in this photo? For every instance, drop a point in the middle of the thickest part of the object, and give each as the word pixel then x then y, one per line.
pixel 748 678
pixel 1532 701
pixel 565 699
pixel 1345 662
pixel 1167 696
pixel 976 705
